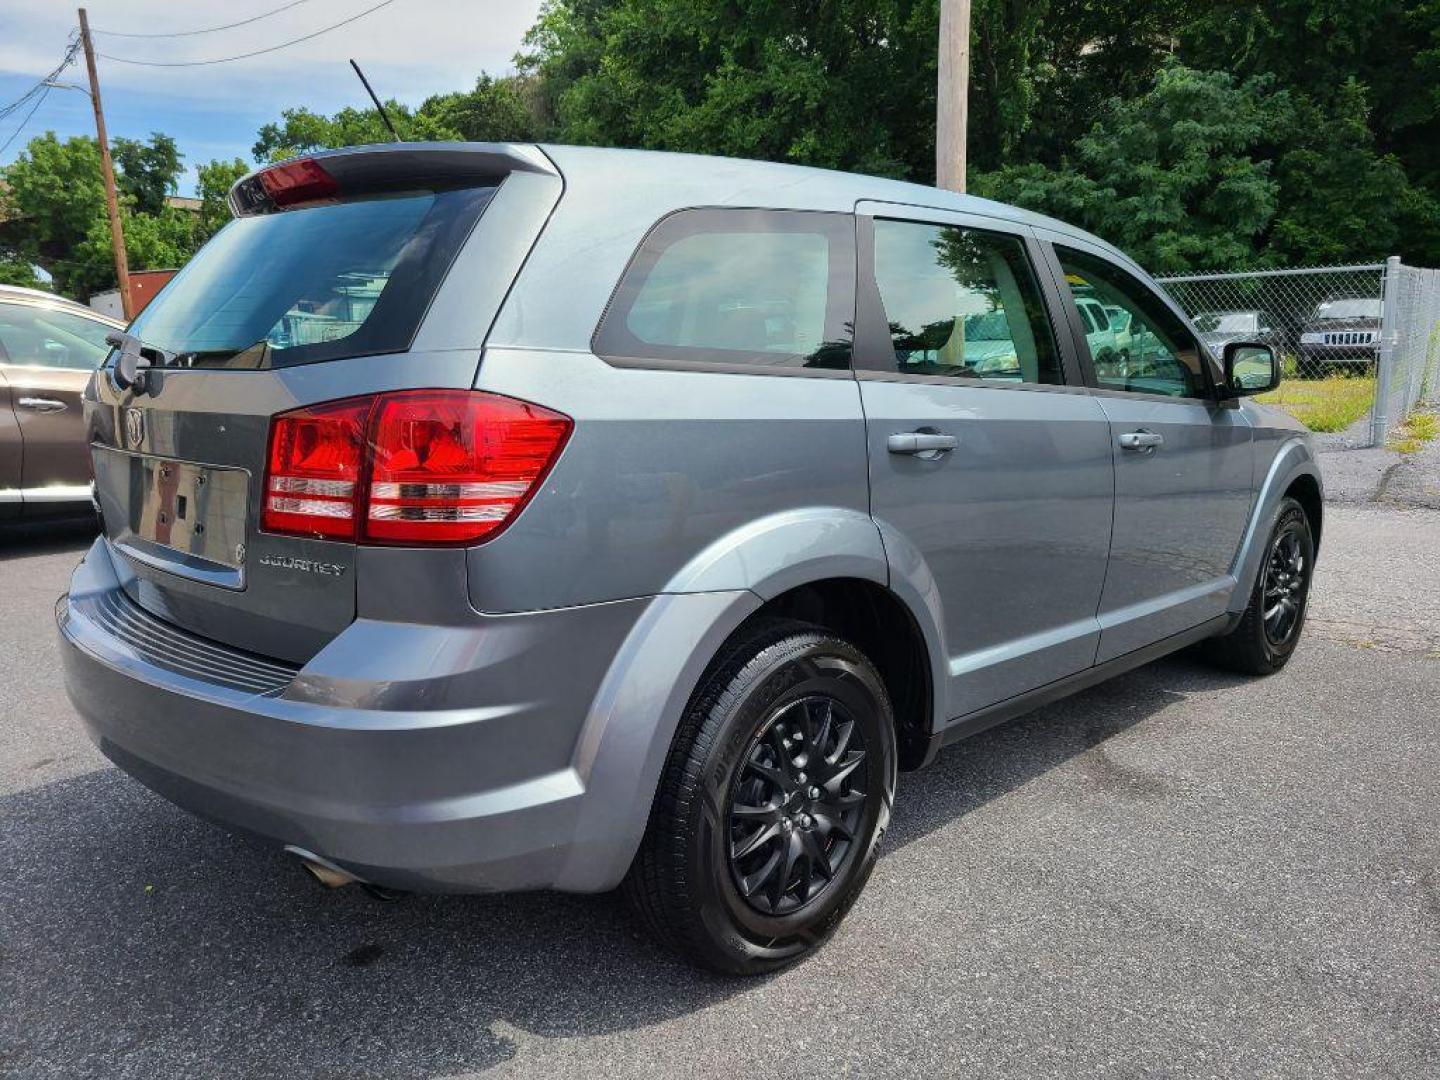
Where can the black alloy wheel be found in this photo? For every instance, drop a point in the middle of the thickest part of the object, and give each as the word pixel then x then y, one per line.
pixel 1268 631
pixel 1286 580
pixel 773 801
pixel 796 806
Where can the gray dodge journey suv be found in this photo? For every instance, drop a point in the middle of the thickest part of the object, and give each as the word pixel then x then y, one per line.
pixel 484 517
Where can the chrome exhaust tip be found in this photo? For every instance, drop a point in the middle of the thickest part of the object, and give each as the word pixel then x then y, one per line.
pixel 322 870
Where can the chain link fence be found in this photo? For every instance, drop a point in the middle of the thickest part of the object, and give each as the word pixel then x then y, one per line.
pixel 1409 362
pixel 1360 345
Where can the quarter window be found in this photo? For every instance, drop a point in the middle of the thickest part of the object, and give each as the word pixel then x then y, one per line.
pixel 963 303
pixel 755 288
pixel 1136 342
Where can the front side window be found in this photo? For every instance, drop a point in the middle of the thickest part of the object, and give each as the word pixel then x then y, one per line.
pixel 963 303
pixel 1155 354
pixel 754 288
pixel 33 335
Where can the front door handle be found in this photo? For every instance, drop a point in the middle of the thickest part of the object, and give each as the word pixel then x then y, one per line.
pixel 920 442
pixel 1143 442
pixel 40 404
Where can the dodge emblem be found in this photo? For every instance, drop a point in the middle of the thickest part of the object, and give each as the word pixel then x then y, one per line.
pixel 134 427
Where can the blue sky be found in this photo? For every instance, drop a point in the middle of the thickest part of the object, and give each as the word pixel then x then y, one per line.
pixel 409 49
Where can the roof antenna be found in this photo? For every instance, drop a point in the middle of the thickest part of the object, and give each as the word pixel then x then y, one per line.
pixel 378 107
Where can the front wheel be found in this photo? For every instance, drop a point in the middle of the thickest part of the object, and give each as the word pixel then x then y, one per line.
pixel 1268 632
pixel 773 801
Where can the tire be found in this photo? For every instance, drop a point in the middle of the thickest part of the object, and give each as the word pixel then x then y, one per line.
pixel 721 789
pixel 1258 646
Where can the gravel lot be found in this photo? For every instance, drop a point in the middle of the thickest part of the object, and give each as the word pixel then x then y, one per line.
pixel 1179 873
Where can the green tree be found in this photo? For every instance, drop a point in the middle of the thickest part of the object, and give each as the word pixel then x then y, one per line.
pixel 163 241
pixel 15 271
pixel 1204 171
pixel 841 84
pixel 54 210
pixel 496 110
pixel 52 195
pixel 301 130
pixel 1172 177
pixel 1251 131
pixel 215 181
pixel 146 171
pixel 1340 198
pixel 1363 64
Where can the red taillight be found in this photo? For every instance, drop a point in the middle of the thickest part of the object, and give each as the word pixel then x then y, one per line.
pixel 298 181
pixel 427 467
pixel 453 466
pixel 313 476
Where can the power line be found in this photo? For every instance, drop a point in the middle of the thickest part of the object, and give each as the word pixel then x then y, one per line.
pixel 36 94
pixel 16 133
pixel 246 56
pixel 39 87
pixel 208 29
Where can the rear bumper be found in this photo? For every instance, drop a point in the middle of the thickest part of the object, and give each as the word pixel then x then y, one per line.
pixel 415 757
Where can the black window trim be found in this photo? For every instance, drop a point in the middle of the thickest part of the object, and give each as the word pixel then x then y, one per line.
pixel 1049 242
pixel 613 343
pixel 874 349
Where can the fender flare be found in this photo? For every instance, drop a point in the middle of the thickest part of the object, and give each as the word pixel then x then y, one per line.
pixel 1295 458
pixel 776 553
pixel 628 732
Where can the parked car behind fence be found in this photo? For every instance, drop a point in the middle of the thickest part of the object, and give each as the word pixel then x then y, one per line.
pixel 1379 322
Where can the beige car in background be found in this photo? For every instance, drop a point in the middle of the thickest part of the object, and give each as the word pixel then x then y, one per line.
pixel 49 348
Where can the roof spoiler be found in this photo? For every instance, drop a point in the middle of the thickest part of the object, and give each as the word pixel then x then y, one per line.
pixel 360 170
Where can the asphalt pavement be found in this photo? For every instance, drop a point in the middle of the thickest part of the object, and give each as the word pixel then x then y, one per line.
pixel 1180 873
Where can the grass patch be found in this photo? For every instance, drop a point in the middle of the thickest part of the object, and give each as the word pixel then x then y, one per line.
pixel 1329 404
pixel 1415 433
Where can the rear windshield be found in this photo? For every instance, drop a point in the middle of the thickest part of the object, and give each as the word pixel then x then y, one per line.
pixel 323 282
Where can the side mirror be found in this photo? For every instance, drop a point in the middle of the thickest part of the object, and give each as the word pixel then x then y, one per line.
pixel 1250 368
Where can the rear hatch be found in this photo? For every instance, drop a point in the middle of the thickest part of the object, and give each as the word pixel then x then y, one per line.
pixel 343 275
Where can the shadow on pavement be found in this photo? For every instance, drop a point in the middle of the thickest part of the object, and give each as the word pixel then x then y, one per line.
pixel 972 773
pixel 136 939
pixel 46 538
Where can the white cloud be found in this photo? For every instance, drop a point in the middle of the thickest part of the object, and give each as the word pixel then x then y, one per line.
pixel 410 49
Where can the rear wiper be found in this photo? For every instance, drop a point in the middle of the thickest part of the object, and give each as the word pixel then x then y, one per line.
pixel 135 356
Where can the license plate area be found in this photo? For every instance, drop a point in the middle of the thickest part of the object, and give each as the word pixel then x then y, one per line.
pixel 177 516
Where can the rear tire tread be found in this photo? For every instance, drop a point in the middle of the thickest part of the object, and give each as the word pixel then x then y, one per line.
pixel 657 885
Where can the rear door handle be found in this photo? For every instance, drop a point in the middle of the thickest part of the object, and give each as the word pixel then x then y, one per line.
pixel 1141 441
pixel 920 442
pixel 40 404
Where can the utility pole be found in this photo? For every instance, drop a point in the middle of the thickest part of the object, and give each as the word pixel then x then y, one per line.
pixel 952 99
pixel 107 168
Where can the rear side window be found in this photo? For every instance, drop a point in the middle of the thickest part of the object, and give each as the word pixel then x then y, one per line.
pixel 763 289
pixel 344 279
pixel 963 303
